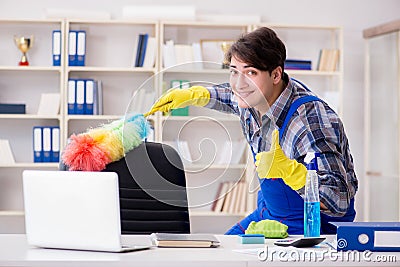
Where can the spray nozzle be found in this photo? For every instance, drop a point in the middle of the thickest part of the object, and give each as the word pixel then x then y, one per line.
pixel 311 160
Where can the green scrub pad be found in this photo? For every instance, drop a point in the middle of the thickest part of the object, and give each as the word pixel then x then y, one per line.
pixel 268 228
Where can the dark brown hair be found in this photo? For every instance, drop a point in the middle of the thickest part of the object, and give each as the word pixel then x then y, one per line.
pixel 262 49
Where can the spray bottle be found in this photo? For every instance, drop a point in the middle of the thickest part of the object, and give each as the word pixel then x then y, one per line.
pixel 312 216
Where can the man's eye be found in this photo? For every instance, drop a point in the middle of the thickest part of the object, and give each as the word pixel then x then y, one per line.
pixel 234 71
pixel 251 72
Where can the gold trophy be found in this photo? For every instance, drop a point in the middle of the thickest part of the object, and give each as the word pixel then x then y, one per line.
pixel 225 47
pixel 23 44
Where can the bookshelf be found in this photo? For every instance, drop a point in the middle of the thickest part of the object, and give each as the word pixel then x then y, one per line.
pixel 109 59
pixel 24 85
pixel 204 130
pixel 110 52
pixel 381 122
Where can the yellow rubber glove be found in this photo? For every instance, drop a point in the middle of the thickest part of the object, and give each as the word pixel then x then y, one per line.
pixel 275 164
pixel 180 98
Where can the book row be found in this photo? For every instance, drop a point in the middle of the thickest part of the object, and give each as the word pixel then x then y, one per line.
pixel 46 144
pixel 231 197
pixel 145 51
pixel 327 61
pixel 85 97
pixel 174 54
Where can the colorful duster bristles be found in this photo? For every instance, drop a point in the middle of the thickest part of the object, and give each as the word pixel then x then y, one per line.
pixel 93 150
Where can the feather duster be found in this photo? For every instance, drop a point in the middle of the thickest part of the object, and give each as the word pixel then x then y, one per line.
pixel 94 149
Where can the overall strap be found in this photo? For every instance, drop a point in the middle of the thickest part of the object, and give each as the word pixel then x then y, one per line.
pixel 293 107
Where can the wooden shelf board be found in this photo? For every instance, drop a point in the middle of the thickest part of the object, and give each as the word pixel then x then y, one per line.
pixel 31 68
pixel 110 69
pixel 29 117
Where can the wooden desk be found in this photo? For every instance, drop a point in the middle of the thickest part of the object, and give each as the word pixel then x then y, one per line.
pixel 14 251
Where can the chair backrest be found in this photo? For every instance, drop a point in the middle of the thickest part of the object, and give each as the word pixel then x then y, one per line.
pixel 153 196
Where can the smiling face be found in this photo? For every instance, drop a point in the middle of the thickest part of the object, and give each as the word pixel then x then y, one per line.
pixel 252 87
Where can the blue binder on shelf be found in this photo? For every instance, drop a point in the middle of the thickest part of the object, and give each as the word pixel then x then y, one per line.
pixel 89 96
pixel 37 144
pixel 80 97
pixel 46 133
pixel 71 97
pixel 72 48
pixel 138 49
pixel 80 48
pixel 56 48
pixel 372 236
pixel 12 108
pixel 143 48
pixel 55 144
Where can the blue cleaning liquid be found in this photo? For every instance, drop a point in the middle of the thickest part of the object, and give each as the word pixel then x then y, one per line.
pixel 312 219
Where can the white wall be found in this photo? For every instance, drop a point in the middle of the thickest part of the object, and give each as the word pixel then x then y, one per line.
pixel 353 15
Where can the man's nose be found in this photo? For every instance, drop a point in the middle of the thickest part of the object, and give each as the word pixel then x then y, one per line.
pixel 242 82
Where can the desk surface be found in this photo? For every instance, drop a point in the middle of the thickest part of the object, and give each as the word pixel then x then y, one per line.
pixel 14 251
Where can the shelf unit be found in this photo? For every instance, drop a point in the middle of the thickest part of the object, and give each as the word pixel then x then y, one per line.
pixel 381 184
pixel 24 84
pixel 212 128
pixel 109 58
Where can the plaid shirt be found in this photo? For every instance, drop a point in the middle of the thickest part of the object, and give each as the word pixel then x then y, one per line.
pixel 314 127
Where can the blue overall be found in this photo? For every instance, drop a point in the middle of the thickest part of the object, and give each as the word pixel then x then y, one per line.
pixel 277 201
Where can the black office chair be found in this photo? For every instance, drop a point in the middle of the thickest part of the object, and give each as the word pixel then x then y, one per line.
pixel 152 188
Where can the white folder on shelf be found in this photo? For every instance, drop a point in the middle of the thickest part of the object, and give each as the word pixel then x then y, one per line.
pixel 6 155
pixel 80 96
pixel 46 144
pixel 89 97
pixel 37 144
pixel 169 54
pixel 197 56
pixel 150 55
pixel 81 48
pixel 55 144
pixel 57 48
pixel 71 97
pixel 72 42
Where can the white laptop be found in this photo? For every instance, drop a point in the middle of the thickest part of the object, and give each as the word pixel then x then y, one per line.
pixel 73 210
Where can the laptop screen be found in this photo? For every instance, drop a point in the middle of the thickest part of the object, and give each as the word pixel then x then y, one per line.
pixel 72 210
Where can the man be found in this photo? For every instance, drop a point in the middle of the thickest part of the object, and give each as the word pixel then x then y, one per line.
pixel 266 99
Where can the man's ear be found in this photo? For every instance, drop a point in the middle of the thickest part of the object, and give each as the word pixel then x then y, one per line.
pixel 277 75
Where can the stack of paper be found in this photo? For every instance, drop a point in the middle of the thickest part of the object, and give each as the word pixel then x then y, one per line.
pixel 184 240
pixel 49 104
